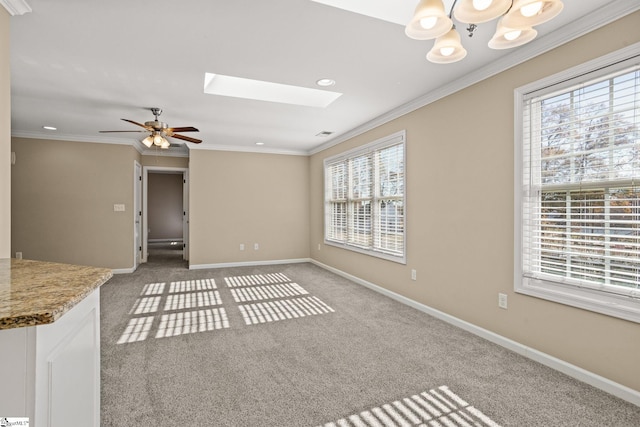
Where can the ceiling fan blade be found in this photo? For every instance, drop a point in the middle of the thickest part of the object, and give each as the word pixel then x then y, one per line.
pixel 149 128
pixel 184 129
pixel 111 131
pixel 187 138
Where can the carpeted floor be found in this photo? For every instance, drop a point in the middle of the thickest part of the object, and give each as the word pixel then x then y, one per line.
pixel 295 345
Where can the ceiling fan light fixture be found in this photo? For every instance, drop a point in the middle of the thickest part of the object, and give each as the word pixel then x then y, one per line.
pixel 529 13
pixel 479 11
pixel 429 21
pixel 148 141
pixel 164 144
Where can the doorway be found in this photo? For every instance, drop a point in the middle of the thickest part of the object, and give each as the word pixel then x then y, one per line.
pixel 165 215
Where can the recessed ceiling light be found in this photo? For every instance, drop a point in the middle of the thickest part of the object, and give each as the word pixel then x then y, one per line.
pixel 259 143
pixel 326 82
pixel 49 128
pixel 238 87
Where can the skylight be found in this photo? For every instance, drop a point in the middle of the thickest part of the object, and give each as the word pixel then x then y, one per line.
pixel 238 87
pixel 396 11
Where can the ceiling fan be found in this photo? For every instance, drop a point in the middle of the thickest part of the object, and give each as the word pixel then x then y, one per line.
pixel 159 130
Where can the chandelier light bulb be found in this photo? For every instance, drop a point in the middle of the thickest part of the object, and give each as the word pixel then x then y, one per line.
pixel 512 35
pixel 531 9
pixel 481 4
pixel 429 22
pixel 447 51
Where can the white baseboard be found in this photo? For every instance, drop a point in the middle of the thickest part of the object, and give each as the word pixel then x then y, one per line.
pixel 248 263
pixel 123 270
pixel 602 383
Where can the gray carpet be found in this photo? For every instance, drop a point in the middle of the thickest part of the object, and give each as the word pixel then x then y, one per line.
pixel 324 352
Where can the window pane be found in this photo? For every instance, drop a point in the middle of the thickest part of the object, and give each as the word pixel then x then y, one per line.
pixel 361 177
pixel 390 227
pixel 360 224
pixel 391 171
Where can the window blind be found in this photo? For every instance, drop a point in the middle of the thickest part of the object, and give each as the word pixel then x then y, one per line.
pixel 581 183
pixel 364 198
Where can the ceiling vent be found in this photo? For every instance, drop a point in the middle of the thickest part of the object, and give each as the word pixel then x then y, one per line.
pixel 324 134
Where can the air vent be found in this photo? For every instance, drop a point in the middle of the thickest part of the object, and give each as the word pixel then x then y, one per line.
pixel 324 133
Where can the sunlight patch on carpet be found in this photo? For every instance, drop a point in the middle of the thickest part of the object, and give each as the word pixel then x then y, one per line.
pixel 192 300
pixel 258 293
pixel 273 311
pixel 192 285
pixel 256 279
pixel 436 408
pixel 145 305
pixel 137 330
pixel 153 289
pixel 191 322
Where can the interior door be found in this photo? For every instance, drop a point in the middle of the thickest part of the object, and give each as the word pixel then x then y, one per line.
pixel 185 215
pixel 137 211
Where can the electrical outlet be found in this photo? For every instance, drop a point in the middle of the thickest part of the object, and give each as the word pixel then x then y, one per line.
pixel 18 255
pixel 242 246
pixel 118 207
pixel 319 247
pixel 256 246
pixel 414 275
pixel 502 301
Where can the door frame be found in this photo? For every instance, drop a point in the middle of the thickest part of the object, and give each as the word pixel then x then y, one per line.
pixel 185 209
pixel 137 215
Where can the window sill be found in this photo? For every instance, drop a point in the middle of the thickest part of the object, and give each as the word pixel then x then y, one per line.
pixel 370 252
pixel 623 307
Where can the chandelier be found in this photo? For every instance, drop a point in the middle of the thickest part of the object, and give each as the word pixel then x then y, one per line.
pixel 514 28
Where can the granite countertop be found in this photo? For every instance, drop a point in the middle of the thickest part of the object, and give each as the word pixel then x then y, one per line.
pixel 37 293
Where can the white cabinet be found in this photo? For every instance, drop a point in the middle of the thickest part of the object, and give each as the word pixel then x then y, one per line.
pixel 51 373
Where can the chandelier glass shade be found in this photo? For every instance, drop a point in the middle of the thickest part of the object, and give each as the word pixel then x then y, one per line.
pixel 514 28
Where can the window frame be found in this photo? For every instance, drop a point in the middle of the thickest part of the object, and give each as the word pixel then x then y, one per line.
pixel 624 305
pixel 370 149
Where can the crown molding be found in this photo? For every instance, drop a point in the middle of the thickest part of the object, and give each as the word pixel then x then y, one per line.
pixel 16 7
pixel 260 150
pixel 588 23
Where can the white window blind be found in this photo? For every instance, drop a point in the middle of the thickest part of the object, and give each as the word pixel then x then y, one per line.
pixel 364 198
pixel 580 201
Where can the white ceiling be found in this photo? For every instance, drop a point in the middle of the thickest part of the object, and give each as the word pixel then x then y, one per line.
pixel 82 65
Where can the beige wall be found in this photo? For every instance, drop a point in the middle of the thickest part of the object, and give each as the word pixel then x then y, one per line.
pixel 460 218
pixel 246 198
pixel 5 138
pixel 62 202
pixel 164 206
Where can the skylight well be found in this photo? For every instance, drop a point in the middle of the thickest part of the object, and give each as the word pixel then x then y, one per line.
pixel 238 87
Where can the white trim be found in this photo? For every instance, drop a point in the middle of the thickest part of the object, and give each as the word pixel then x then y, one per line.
pixel 145 209
pixel 246 149
pixel 248 263
pixel 123 270
pixel 602 383
pixel 16 7
pixel 601 17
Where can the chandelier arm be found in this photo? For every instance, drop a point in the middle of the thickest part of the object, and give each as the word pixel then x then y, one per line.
pixel 452 7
